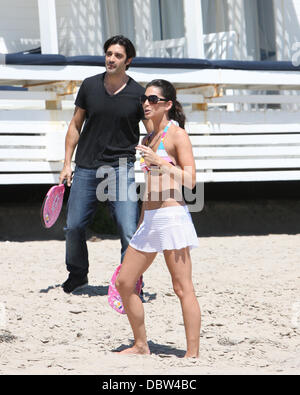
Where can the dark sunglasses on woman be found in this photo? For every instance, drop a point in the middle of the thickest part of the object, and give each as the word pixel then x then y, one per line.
pixel 152 99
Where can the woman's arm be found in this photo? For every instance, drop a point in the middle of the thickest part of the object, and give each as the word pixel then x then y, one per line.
pixel 185 171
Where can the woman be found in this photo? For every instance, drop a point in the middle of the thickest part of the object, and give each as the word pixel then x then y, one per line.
pixel 165 224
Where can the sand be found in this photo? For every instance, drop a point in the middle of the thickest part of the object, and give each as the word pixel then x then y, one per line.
pixel 247 287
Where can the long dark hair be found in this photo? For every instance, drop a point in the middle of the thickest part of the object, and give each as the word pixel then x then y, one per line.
pixel 169 92
pixel 125 42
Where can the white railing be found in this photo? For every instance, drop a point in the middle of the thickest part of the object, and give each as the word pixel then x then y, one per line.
pixel 173 48
pixel 223 45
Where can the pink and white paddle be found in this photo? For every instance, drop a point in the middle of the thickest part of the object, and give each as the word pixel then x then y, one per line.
pixel 114 298
pixel 52 205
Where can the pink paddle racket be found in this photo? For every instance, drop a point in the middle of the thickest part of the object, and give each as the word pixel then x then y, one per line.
pixel 52 205
pixel 114 298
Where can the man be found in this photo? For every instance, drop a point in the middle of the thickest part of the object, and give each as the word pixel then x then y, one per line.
pixel 108 105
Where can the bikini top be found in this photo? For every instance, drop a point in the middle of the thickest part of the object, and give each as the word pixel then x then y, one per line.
pixel 161 150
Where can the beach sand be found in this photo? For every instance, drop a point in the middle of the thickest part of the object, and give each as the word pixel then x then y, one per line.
pixel 248 288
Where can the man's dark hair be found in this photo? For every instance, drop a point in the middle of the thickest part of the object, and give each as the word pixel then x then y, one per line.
pixel 125 42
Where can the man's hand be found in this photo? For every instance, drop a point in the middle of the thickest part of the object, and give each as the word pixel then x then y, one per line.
pixel 66 174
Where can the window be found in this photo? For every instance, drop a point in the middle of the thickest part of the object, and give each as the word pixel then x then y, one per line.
pixel 117 17
pixel 167 19
pixel 215 16
pixel 260 29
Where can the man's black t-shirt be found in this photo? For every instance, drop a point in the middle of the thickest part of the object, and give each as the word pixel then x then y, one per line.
pixel 111 128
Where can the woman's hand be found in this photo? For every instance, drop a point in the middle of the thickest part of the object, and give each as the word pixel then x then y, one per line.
pixel 150 157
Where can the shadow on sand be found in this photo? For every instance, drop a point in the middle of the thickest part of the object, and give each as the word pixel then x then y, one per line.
pixel 157 349
pixel 95 290
pixel 90 290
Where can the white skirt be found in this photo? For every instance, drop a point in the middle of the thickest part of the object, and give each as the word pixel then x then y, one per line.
pixel 168 228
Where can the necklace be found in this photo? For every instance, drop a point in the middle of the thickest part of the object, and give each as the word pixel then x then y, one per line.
pixel 159 134
pixel 152 140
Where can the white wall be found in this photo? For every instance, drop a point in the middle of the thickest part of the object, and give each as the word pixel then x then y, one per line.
pixel 79 27
pixel 19 25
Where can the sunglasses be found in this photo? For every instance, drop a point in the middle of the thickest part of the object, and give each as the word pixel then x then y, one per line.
pixel 152 99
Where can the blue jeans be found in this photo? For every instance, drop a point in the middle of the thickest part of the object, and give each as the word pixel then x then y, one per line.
pixel 110 184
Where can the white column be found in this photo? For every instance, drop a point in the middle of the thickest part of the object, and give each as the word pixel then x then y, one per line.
pixel 283 44
pixel 143 26
pixel 48 28
pixel 194 28
pixel 237 23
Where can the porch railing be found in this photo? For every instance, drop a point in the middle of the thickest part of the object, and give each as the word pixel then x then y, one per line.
pixel 222 45
pixel 174 48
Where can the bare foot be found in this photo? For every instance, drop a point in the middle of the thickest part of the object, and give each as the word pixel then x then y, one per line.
pixel 142 350
pixel 190 355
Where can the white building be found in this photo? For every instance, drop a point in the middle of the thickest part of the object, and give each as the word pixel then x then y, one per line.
pixel 244 121
pixel 213 29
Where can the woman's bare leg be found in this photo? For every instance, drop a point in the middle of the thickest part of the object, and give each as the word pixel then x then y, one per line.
pixel 180 268
pixel 135 263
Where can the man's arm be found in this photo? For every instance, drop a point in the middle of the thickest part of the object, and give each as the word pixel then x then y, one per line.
pixel 71 142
